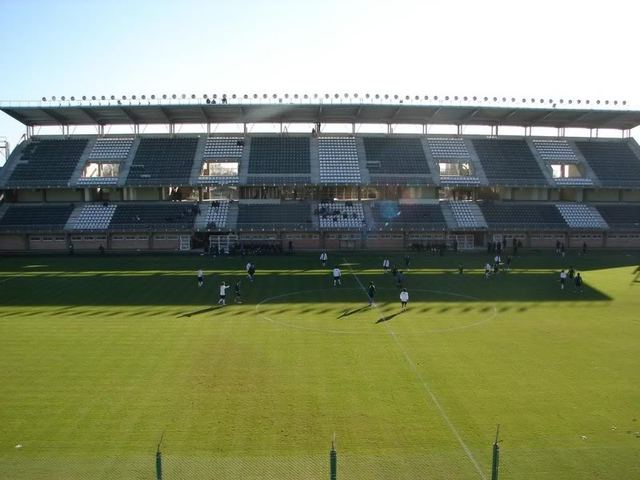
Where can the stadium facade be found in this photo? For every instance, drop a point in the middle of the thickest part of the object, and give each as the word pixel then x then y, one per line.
pixel 167 192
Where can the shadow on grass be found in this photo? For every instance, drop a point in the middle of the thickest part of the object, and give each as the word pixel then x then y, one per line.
pixel 198 312
pixel 347 313
pixel 386 318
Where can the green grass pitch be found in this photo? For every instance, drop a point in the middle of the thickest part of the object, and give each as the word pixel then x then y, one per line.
pixel 101 356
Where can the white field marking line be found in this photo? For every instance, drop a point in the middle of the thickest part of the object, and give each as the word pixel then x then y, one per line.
pixel 427 389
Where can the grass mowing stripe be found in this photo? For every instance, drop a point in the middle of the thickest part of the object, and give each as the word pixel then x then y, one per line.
pixel 423 382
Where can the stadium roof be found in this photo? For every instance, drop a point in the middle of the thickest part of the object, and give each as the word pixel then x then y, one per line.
pixel 129 113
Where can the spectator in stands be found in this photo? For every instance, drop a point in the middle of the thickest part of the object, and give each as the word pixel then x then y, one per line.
pixel 200 278
pixel 337 276
pixel 223 294
pixel 323 258
pixel 371 293
pixel 563 279
pixel 404 299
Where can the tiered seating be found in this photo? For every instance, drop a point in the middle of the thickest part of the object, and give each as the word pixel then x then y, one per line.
pixel 555 151
pixel 294 216
pixel 613 162
pixel 163 161
pixel 216 214
pixel 338 160
pixel 98 181
pixel 621 217
pixel 111 148
pixel 514 216
pixel 424 216
pixel 94 216
pixel 395 156
pixel 158 216
pixel 279 155
pixel 224 147
pixel 281 180
pixel 579 215
pixel 447 148
pixel 36 217
pixel 47 163
pixel 466 216
pixel 341 215
pixel 509 162
pixel 459 180
pixel 573 182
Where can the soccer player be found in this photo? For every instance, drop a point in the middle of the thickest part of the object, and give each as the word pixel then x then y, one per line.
pixel 407 261
pixel 508 263
pixel 400 279
pixel 223 293
pixel 337 277
pixel 200 278
pixel 404 298
pixel 578 282
pixel 247 267
pixel 563 279
pixel 236 290
pixel 386 265
pixel 487 270
pixel 323 259
pixel 371 292
pixel 571 273
pixel 252 272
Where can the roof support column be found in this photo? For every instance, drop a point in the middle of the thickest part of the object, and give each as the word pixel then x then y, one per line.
pixel 459 129
pixel 101 130
pixel 389 129
pixel 172 128
pixel 527 131
pixel 136 129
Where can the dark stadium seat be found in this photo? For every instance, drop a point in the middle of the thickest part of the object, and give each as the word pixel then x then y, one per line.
pixel 515 216
pixel 35 217
pixel 275 155
pixel 621 217
pixel 288 215
pixel 396 156
pixel 509 162
pixel 613 162
pixel 157 216
pixel 163 162
pixel 423 216
pixel 47 163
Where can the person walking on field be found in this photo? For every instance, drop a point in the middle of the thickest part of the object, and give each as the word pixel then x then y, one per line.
pixel 237 298
pixel 323 258
pixel 200 278
pixel 371 292
pixel 386 265
pixel 337 277
pixel 404 299
pixel 223 294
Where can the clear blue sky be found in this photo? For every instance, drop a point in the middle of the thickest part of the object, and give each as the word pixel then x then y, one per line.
pixel 574 49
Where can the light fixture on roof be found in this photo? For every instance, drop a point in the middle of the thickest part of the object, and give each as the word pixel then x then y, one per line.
pixel 44 99
pixel 306 96
pixel 53 98
pixel 624 102
pixel 495 99
pixel 93 97
pixel 455 98
pixel 103 98
pixel 587 101
pixel 174 96
pixel 395 97
pixel 465 98
pixel 153 96
pixel 598 102
pixel 113 97
pixel 606 102
pixel 84 97
pixel 504 99
pixel 578 101
pixel 62 98
pixel 133 97
pixel 570 102
pixel 386 96
pixel 124 97
pixel 486 99
pixel 475 98
pixel 377 96
pixel 275 95
pixel 144 97
pixel 193 96
pixel 233 96
pixel 426 97
pixel 615 102
pixel 435 97
pixel 255 95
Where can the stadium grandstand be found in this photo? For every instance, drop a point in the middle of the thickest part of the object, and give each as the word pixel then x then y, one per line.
pixel 321 189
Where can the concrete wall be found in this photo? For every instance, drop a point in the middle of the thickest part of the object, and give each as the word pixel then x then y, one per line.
pixel 385 241
pixel 30 195
pixel 65 195
pixel 593 240
pixel 12 242
pixel 601 195
pixel 623 240
pixel 49 242
pixel 130 241
pixel 631 196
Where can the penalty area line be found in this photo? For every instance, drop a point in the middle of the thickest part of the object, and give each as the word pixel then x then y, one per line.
pixel 425 386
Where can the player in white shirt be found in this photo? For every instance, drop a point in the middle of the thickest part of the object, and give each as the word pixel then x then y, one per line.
pixel 487 270
pixel 404 298
pixel 323 258
pixel 200 278
pixel 386 264
pixel 337 277
pixel 223 293
pixel 563 279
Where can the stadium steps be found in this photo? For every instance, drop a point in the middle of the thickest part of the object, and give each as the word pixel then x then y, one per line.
pixel 476 165
pixel 432 162
pixel 201 220
pixel 582 162
pixel 3 209
pixel 196 168
pixel 75 176
pixel 633 145
pixel 315 221
pixel 448 215
pixel 12 162
pixel 546 169
pixel 73 218
pixel 125 166
pixel 362 160
pixel 314 159
pixel 243 165
pixel 582 216
pixel 368 215
pixel 232 214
